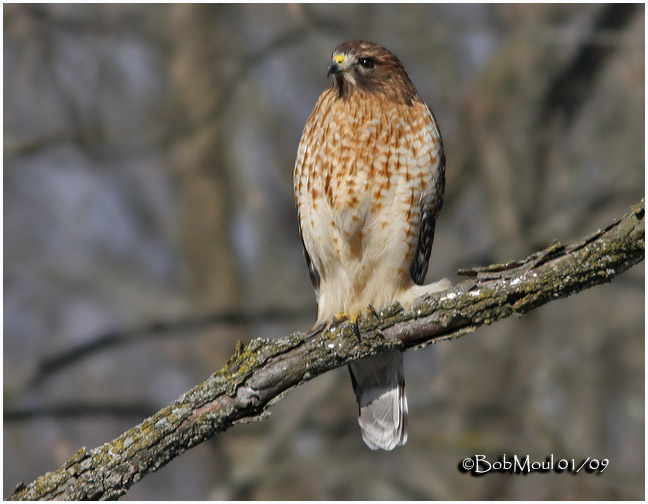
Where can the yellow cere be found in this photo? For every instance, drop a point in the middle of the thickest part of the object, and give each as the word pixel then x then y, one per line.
pixel 339 58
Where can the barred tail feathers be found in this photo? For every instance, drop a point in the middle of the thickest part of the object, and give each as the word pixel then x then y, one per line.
pixel 379 386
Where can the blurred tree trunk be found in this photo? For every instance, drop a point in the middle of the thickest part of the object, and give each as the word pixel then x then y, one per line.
pixel 212 276
pixel 197 156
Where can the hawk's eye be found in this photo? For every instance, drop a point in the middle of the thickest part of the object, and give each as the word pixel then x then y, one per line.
pixel 366 62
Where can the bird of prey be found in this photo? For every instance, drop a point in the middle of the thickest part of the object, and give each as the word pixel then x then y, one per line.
pixel 369 180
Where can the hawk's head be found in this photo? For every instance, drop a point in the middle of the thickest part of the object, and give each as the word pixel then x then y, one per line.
pixel 369 67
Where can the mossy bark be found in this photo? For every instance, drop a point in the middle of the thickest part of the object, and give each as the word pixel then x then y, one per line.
pixel 260 372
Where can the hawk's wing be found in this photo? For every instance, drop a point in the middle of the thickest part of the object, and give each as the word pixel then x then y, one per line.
pixel 312 271
pixel 430 208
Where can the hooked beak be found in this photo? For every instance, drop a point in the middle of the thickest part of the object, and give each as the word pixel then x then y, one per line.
pixel 336 66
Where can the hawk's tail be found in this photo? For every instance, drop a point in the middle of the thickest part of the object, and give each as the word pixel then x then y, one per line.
pixel 379 386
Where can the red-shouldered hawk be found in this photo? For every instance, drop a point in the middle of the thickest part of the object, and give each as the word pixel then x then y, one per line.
pixel 369 180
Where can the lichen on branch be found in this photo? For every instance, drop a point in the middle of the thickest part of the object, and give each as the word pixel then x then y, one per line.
pixel 260 372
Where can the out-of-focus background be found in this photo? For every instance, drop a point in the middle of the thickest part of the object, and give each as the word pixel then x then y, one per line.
pixel 148 156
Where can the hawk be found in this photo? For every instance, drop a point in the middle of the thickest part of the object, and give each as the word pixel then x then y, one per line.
pixel 368 181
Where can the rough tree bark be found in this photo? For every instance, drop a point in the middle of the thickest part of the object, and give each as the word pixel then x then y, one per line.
pixel 259 373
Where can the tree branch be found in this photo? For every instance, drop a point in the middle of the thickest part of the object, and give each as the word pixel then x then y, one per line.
pixel 259 373
pixel 110 339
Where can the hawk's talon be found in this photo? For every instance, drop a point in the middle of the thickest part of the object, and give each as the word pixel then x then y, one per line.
pixel 354 326
pixel 314 331
pixel 341 317
pixel 373 311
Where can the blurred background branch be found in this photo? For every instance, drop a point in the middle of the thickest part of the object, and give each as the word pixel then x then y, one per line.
pixel 175 328
pixel 79 410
